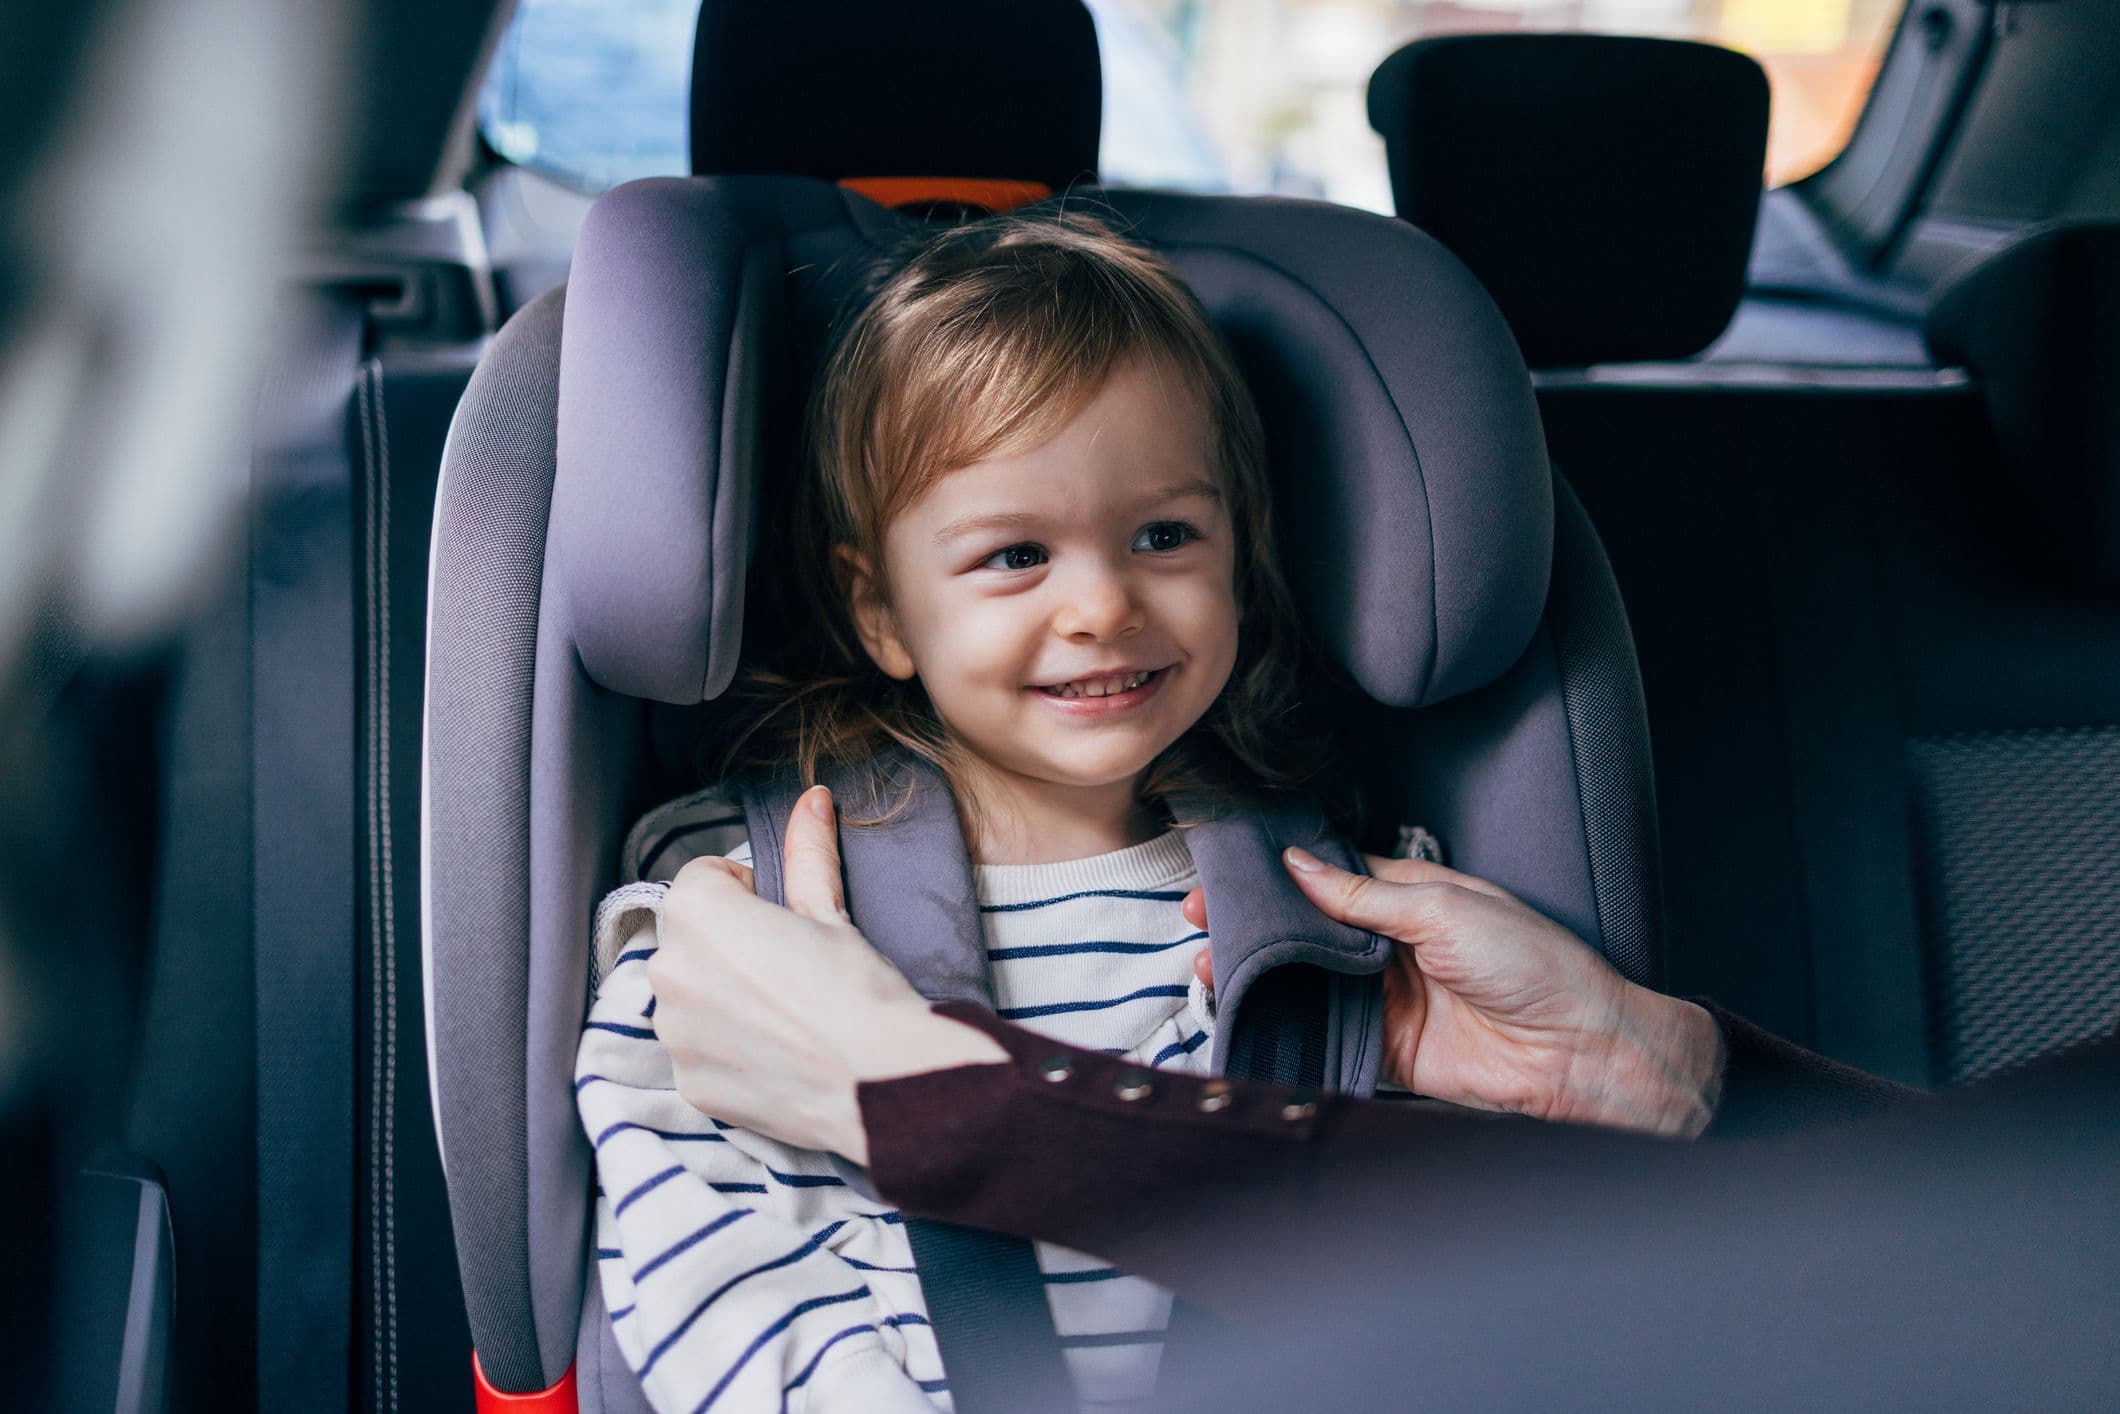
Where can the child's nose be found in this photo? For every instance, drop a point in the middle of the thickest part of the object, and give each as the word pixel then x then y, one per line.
pixel 1098 605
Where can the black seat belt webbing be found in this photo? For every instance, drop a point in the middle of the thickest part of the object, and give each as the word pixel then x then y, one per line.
pixel 986 1302
pixel 302 885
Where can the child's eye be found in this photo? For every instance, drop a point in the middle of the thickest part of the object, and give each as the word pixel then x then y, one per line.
pixel 1164 536
pixel 1015 557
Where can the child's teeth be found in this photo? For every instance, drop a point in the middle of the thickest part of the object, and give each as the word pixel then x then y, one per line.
pixel 1100 687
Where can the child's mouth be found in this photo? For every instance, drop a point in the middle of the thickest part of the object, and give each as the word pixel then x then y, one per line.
pixel 1112 690
pixel 1110 686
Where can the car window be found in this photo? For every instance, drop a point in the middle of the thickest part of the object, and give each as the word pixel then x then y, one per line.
pixel 1263 96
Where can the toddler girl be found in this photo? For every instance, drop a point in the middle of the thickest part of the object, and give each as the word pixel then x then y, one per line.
pixel 1036 533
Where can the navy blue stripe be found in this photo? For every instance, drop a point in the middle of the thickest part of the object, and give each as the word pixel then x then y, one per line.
pixel 1094 1274
pixel 1087 1342
pixel 632 955
pixel 668 837
pixel 603 1252
pixel 737 1187
pixel 933 1386
pixel 620 1314
pixel 872 1266
pixel 888 1219
pixel 586 1081
pixel 648 1012
pixel 638 1033
pixel 685 1244
pixel 1024 1013
pixel 1070 949
pixel 815 1241
pixel 810 1369
pixel 1179 1048
pixel 767 1334
pixel 680 1136
pixel 806 1180
pixel 910 1318
pixel 647 1186
pixel 1151 895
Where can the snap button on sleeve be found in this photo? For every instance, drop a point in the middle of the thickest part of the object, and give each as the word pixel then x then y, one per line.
pixel 1132 1085
pixel 1058 1068
pixel 1214 1096
pixel 1300 1107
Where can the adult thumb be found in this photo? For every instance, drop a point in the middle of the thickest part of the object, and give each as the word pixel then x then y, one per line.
pixel 1360 900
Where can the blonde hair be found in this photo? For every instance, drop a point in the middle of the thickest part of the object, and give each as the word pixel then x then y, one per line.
pixel 987 343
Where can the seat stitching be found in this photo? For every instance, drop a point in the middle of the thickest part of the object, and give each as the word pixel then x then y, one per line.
pixel 375 1008
pixel 389 884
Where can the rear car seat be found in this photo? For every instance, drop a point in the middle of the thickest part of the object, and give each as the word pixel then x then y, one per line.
pixel 1802 551
pixel 2009 663
pixel 275 1084
pixel 601 494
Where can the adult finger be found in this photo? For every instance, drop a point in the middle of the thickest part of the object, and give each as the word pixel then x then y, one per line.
pixel 1427 871
pixel 1396 909
pixel 811 855
pixel 710 874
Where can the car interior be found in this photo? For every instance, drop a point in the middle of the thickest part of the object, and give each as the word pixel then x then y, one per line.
pixel 1731 571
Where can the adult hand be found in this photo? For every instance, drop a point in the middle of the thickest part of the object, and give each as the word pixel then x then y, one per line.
pixel 773 1016
pixel 1489 1003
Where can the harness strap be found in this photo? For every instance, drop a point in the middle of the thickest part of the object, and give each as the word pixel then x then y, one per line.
pixel 985 1295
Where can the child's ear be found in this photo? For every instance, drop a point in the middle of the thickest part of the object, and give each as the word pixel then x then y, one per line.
pixel 872 615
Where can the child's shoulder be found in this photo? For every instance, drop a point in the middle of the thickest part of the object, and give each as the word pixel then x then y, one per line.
pixel 705 823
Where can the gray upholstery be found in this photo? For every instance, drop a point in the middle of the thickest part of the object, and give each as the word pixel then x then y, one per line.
pixel 482 664
pixel 1417 514
pixel 2020 891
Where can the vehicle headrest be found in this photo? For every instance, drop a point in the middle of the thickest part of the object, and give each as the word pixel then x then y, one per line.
pixel 850 89
pixel 1412 488
pixel 2038 324
pixel 1604 189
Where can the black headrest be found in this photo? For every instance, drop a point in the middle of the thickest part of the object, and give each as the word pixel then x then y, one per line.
pixel 1604 189
pixel 2038 323
pixel 931 88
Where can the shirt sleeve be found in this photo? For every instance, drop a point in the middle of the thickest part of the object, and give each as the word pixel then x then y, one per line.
pixel 735 1269
pixel 1069 1146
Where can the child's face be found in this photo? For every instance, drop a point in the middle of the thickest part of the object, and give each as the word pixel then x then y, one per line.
pixel 1071 611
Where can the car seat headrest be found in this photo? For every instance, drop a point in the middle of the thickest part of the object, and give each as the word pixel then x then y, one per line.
pixel 1604 189
pixel 853 89
pixel 1412 489
pixel 2038 324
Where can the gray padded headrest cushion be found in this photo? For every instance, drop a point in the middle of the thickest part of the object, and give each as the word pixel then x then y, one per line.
pixel 1411 481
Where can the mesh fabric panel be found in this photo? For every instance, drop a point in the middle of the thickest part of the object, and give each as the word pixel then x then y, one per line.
pixel 1608 730
pixel 2018 841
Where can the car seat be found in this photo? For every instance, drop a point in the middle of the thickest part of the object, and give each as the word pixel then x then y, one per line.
pixel 600 513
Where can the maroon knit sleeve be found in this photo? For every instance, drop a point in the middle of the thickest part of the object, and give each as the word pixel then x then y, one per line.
pixel 1094 1153
pixel 1772 1086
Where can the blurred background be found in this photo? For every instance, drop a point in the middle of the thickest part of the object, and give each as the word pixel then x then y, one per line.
pixel 1204 95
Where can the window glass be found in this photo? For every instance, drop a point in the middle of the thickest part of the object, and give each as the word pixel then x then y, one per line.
pixel 1211 95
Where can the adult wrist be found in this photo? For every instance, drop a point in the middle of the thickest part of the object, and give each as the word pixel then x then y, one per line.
pixel 1663 1068
pixel 910 1039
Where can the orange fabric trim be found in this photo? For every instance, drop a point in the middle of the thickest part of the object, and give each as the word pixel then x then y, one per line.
pixel 560 1399
pixel 989 193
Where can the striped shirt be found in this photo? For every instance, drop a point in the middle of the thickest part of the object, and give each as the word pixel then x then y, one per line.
pixel 744 1274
